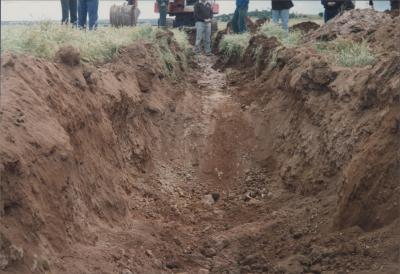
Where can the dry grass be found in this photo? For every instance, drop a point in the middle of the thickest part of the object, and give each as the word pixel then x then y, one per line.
pixel 347 53
pixel 44 39
pixel 234 45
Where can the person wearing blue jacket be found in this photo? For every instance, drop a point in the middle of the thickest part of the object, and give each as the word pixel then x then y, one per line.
pixel 239 17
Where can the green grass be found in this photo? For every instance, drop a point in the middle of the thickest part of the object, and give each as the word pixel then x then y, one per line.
pixel 43 40
pixel 347 53
pixel 234 45
pixel 288 39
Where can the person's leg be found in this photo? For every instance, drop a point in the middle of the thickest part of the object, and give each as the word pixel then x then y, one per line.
pixel 329 14
pixel 162 9
pixel 275 16
pixel 242 19
pixel 285 19
pixel 207 33
pixel 64 11
pixel 73 9
pixel 92 8
pixel 199 36
pixel 394 4
pixel 82 13
pixel 235 21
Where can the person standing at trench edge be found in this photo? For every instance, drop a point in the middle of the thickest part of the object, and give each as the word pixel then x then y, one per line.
pixel 85 8
pixel 280 10
pixel 239 17
pixel 203 15
pixel 162 9
pixel 332 8
pixel 69 9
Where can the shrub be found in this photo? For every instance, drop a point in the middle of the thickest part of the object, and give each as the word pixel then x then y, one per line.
pixel 234 45
pixel 348 53
pixel 288 39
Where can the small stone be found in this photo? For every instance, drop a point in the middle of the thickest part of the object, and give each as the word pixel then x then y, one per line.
pixel 3 261
pixel 9 62
pixel 209 252
pixel 208 199
pixel 172 265
pixel 126 271
pixel 246 197
pixel 16 253
pixel 215 196
pixel 149 253
pixel 316 269
pixel 203 271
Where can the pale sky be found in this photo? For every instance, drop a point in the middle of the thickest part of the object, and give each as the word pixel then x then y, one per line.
pixel 51 9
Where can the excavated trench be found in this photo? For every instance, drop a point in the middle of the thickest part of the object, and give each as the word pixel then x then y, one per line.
pixel 291 168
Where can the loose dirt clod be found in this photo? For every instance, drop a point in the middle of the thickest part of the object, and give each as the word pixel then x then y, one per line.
pixel 68 55
pixel 305 27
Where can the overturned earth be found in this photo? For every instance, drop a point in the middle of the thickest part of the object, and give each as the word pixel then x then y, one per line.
pixel 289 165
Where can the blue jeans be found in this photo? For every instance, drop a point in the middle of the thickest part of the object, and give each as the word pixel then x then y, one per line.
pixel 69 10
pixel 203 30
pixel 330 13
pixel 86 7
pixel 239 20
pixel 283 15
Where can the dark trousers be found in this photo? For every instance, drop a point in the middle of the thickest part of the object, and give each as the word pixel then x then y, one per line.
pixel 395 4
pixel 330 13
pixel 239 20
pixel 88 7
pixel 69 10
pixel 162 9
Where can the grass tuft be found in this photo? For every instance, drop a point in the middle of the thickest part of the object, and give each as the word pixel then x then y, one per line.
pixel 44 40
pixel 288 39
pixel 348 53
pixel 234 45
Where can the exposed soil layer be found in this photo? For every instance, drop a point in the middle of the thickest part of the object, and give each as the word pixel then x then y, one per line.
pixel 289 165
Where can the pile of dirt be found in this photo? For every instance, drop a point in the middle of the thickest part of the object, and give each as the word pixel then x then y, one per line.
pixel 305 27
pixel 379 29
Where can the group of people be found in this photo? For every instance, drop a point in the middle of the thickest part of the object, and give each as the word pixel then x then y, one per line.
pixel 334 7
pixel 76 12
pixel 280 14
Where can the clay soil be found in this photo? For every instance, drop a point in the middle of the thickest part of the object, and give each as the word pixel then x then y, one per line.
pixel 290 167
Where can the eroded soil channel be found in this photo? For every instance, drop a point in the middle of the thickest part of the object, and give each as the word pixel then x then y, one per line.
pixel 289 166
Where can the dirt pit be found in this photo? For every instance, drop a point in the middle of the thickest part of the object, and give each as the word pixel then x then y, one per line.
pixel 119 169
